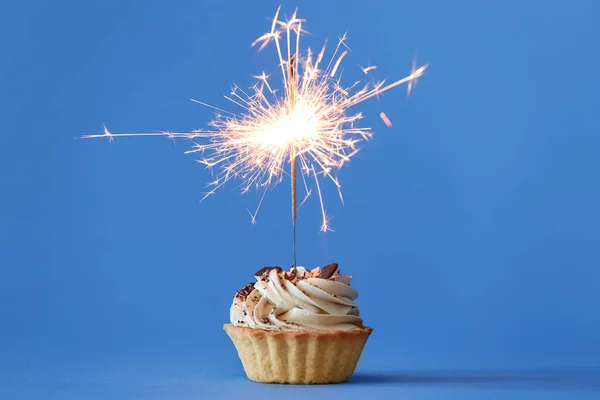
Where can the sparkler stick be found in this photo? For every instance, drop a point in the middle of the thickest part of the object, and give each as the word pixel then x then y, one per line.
pixel 293 163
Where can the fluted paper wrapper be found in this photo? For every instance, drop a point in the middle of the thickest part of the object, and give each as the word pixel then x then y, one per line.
pixel 298 357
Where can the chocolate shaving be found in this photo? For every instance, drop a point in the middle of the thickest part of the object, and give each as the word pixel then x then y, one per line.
pixel 266 270
pixel 245 291
pixel 291 275
pixel 328 271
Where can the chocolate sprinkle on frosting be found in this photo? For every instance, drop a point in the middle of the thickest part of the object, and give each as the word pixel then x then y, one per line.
pixel 266 270
pixel 328 271
pixel 245 291
pixel 291 274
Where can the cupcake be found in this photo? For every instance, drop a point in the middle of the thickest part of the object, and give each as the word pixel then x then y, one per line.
pixel 297 326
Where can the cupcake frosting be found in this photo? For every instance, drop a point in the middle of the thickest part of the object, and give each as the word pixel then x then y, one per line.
pixel 297 300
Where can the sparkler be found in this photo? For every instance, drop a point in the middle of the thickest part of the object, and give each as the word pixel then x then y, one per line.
pixel 309 125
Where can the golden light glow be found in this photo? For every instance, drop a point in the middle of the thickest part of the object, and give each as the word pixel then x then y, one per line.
pixel 311 119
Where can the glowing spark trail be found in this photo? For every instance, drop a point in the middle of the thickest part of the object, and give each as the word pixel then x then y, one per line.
pixel 385 119
pixel 308 126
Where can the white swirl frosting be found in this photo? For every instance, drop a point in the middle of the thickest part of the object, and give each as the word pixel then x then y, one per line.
pixel 297 300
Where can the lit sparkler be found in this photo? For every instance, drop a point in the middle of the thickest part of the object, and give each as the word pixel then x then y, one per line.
pixel 309 126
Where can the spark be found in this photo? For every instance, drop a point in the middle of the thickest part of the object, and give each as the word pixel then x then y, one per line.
pixel 369 68
pixel 413 82
pixel 337 64
pixel 385 119
pixel 311 121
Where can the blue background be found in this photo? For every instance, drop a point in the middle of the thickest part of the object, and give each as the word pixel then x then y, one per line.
pixel 470 226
